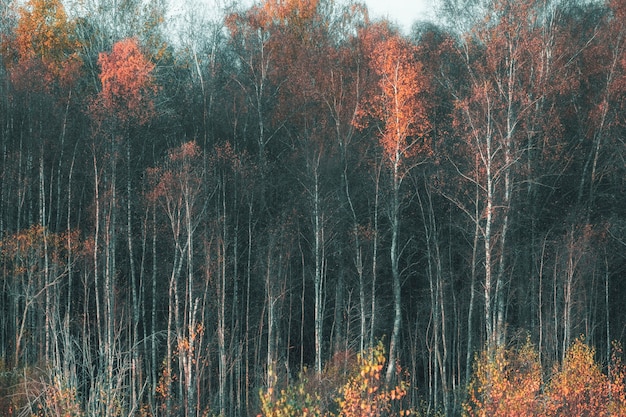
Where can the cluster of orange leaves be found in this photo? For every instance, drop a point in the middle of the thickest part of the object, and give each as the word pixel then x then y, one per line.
pixel 61 400
pixel 43 49
pixel 186 344
pixel 362 394
pixel 164 389
pixel 365 394
pixel 274 16
pixel 290 11
pixel 295 400
pixel 400 103
pixel 127 81
pixel 23 251
pixel 509 383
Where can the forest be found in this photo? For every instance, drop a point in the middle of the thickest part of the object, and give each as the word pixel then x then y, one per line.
pixel 287 208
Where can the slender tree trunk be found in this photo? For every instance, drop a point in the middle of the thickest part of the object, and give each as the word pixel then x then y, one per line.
pixel 247 379
pixel 505 205
pixel 46 259
pixel 487 160
pixel 173 325
pixel 540 345
pixel 394 254
pixel 235 315
pixel 358 252
pixel 191 302
pixel 221 293
pixel 271 373
pixel 109 348
pixel 567 291
pixel 302 303
pixel 61 160
pixel 470 311
pixel 153 316
pixel 607 322
pixel 135 383
pixel 375 256
pixel 96 248
pixel 500 284
pixel 435 274
pixel 362 299
pixel 318 277
pixel 338 324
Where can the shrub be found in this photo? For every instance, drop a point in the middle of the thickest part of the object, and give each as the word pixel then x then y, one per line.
pixel 365 393
pixel 578 388
pixel 356 391
pixel 506 382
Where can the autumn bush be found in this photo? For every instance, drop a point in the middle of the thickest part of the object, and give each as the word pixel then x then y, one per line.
pixel 37 391
pixel 359 391
pixel 508 382
pixel 617 375
pixel 60 398
pixel 365 393
pixel 578 387
pixel 294 400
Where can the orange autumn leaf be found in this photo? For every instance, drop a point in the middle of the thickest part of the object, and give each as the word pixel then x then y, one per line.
pixel 506 383
pixel 127 83
pixel 365 394
pixel 579 387
pixel 43 50
pixel 400 104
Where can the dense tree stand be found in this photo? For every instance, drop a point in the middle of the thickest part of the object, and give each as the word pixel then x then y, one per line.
pixel 286 208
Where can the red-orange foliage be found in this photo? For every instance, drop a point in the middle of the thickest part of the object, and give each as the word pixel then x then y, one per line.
pixel 346 389
pixel 22 252
pixel 617 373
pixel 401 103
pixel 512 70
pixel 43 51
pixel 579 388
pixel 178 181
pixel 506 383
pixel 365 393
pixel 128 85
pixel 271 13
pixel 293 12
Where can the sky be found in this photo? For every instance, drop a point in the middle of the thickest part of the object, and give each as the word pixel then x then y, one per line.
pixel 402 12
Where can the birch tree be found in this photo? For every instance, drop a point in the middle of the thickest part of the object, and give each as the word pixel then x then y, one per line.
pixel 401 109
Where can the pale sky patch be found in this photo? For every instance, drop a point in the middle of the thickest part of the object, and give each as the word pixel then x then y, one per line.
pixel 402 12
